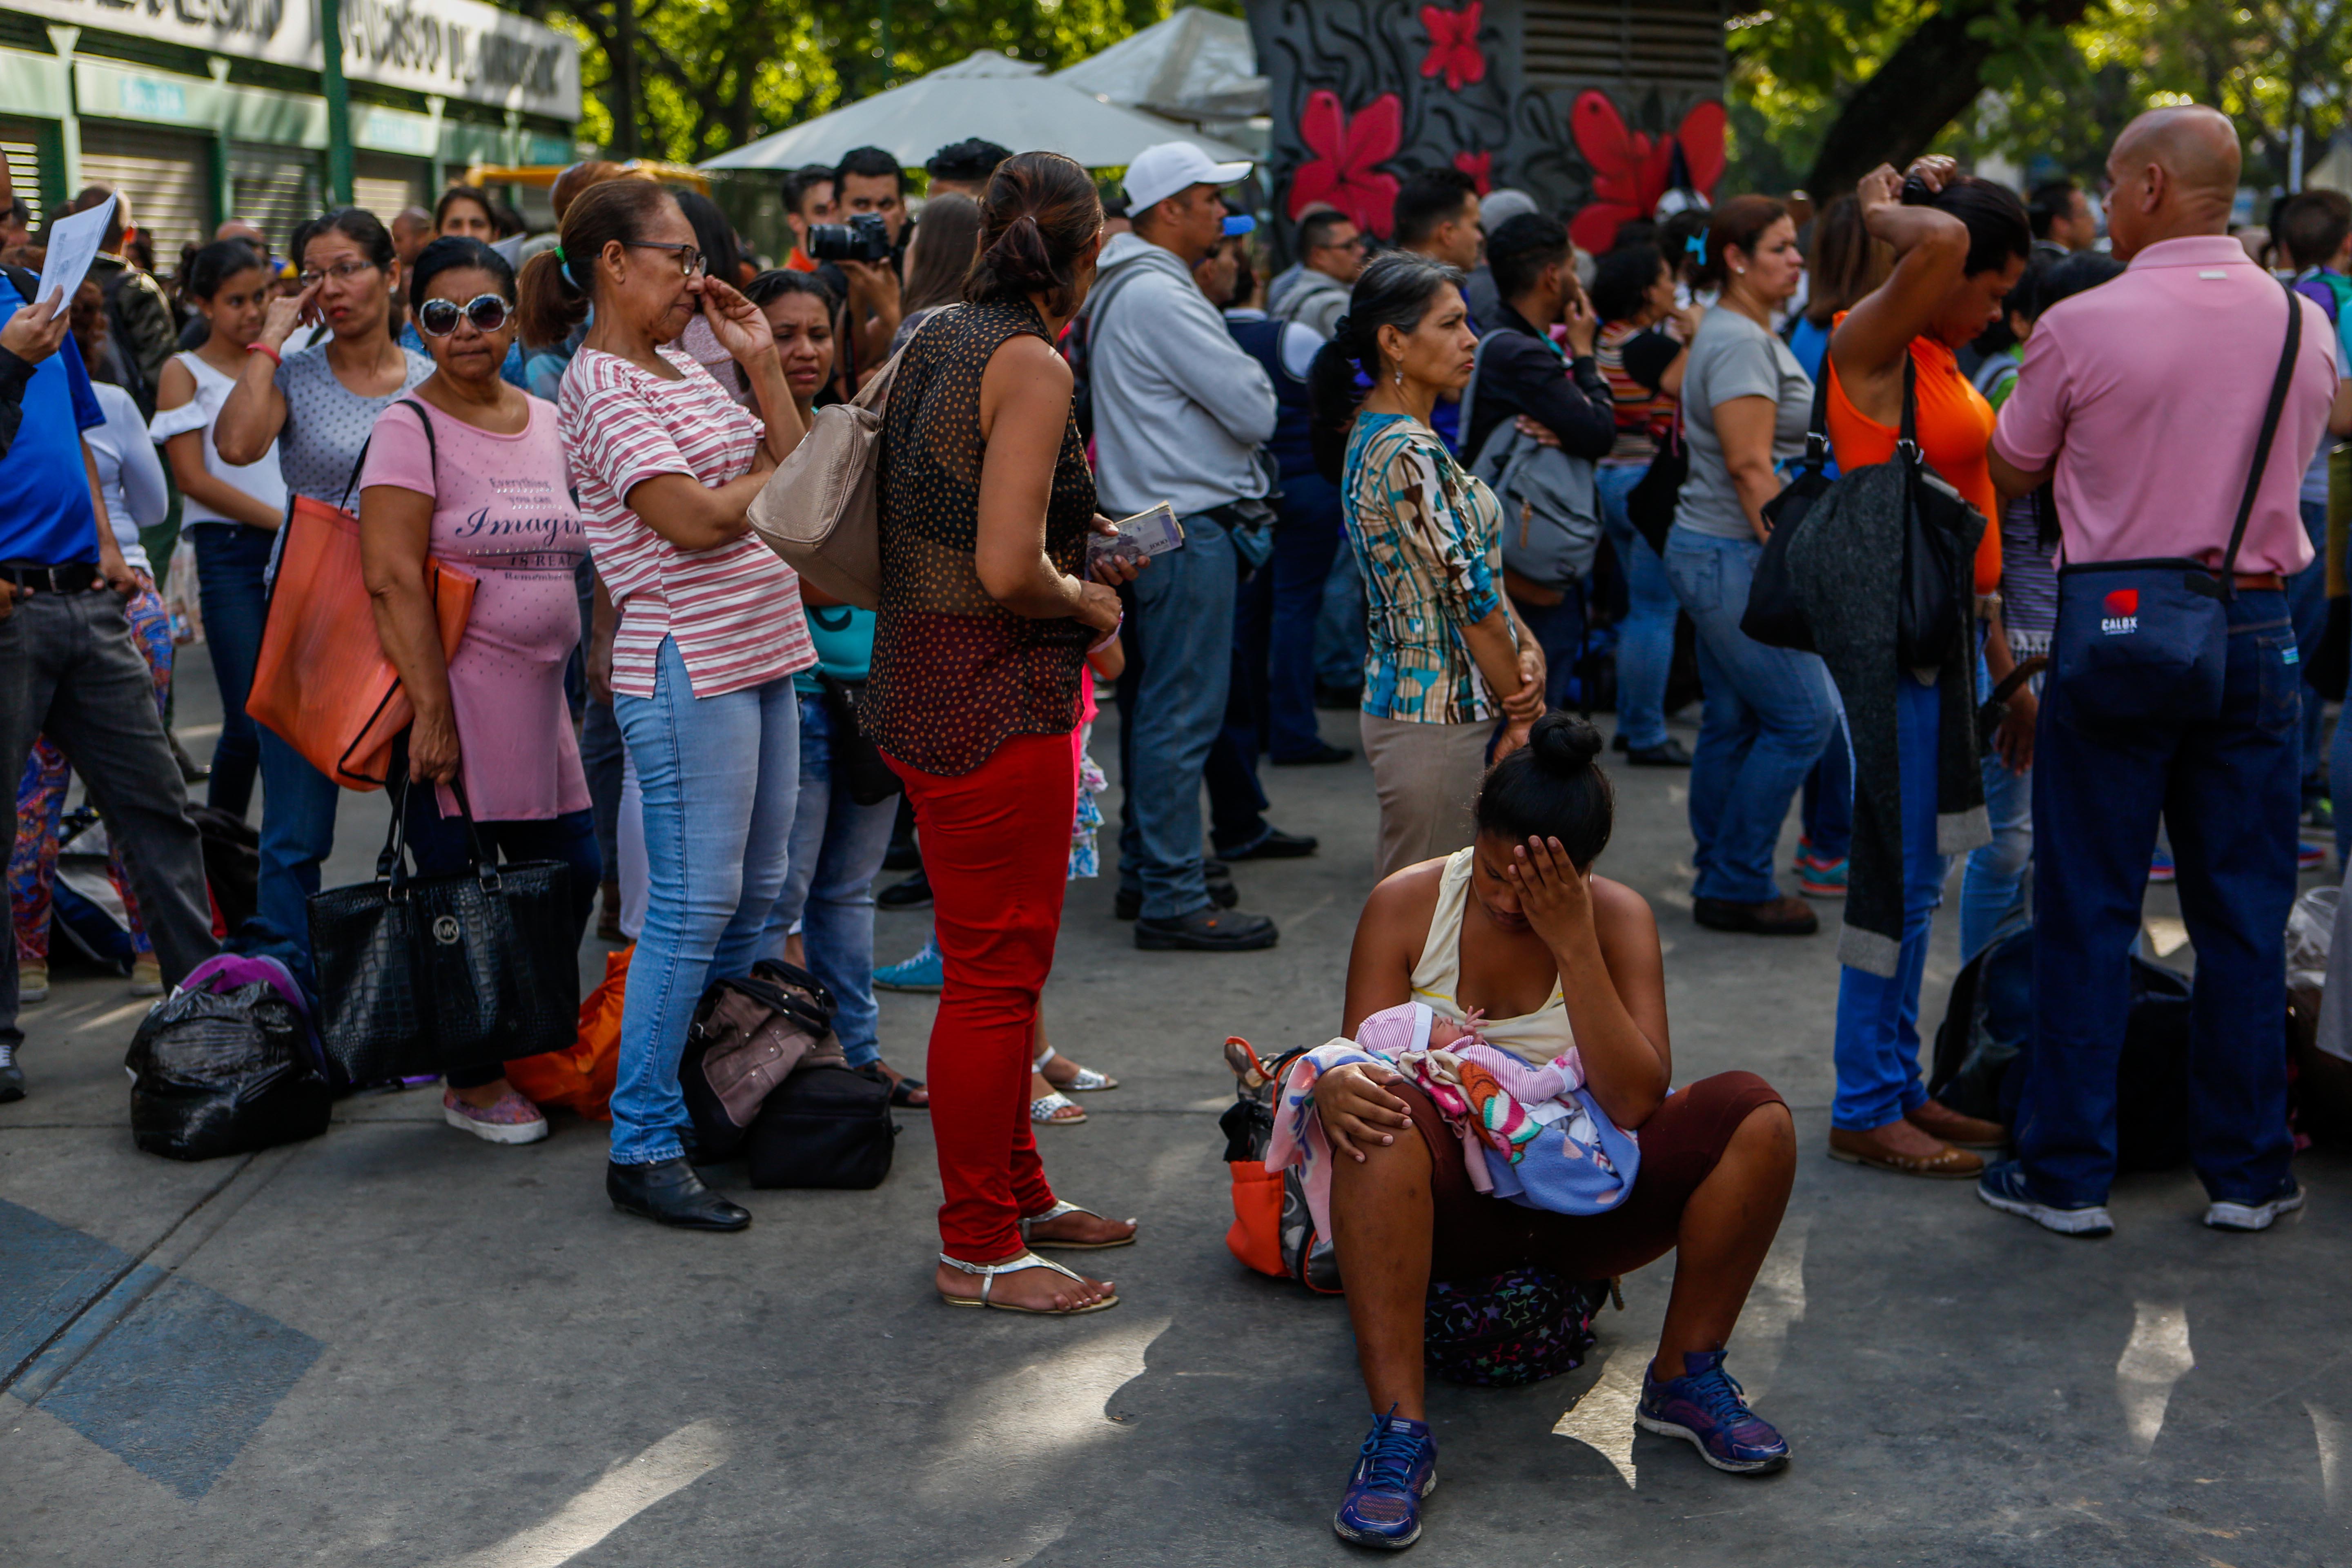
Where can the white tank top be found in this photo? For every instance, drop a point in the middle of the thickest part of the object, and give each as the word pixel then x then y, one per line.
pixel 259 480
pixel 1534 1038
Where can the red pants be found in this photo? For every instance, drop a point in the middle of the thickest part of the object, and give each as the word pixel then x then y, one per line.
pixel 996 848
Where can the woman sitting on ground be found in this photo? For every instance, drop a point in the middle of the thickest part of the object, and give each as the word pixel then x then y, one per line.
pixel 1557 959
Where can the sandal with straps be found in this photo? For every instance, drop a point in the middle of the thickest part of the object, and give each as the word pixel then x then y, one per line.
pixel 1086 1081
pixel 1046 1111
pixel 1057 1212
pixel 1028 1260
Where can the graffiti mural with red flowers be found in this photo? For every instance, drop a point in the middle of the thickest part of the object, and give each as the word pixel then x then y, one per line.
pixel 1630 169
pixel 1479 167
pixel 1347 152
pixel 1454 51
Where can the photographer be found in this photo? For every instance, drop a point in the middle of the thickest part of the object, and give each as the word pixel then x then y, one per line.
pixel 860 265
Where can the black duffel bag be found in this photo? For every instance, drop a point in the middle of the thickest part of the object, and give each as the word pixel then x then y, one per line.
pixel 824 1126
pixel 227 1072
pixel 435 974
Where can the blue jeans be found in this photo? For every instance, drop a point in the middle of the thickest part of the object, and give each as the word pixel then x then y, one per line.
pixel 2306 597
pixel 229 561
pixel 1993 884
pixel 298 833
pixel 1645 641
pixel 1559 630
pixel 1237 802
pixel 1877 1048
pixel 1306 541
pixel 720 777
pixel 1342 640
pixel 837 846
pixel 2227 794
pixel 1171 706
pixel 1769 714
pixel 601 758
pixel 1827 808
pixel 440 844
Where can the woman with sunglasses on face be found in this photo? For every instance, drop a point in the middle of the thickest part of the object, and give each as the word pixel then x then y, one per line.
pixel 463 212
pixel 470 470
pixel 318 405
pixel 710 632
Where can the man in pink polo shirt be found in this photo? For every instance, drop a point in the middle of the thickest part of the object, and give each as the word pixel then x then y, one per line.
pixel 2142 403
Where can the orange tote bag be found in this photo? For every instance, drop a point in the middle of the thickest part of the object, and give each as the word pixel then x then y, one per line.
pixel 322 683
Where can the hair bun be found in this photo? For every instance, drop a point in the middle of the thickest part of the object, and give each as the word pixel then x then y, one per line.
pixel 1564 745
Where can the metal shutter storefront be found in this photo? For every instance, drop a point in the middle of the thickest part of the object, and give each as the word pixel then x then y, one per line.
pixel 383 185
pixel 1617 43
pixel 162 174
pixel 20 144
pixel 275 188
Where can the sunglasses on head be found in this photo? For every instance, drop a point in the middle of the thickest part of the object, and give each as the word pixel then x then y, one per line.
pixel 439 318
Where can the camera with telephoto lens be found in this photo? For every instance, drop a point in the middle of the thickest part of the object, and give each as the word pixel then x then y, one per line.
pixel 865 237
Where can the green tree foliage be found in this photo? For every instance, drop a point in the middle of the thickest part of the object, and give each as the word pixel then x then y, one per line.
pixel 2052 96
pixel 713 74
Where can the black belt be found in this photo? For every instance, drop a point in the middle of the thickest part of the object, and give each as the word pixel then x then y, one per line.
pixel 74 577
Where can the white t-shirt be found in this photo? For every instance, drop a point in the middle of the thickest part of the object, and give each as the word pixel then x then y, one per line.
pixel 260 478
pixel 129 476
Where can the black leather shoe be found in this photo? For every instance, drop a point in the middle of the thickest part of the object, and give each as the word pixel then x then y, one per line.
pixel 1206 931
pixel 1666 753
pixel 12 1077
pixel 669 1192
pixel 1220 880
pixel 1617 742
pixel 903 858
pixel 1127 904
pixel 1322 755
pixel 1276 845
pixel 1338 699
pixel 914 893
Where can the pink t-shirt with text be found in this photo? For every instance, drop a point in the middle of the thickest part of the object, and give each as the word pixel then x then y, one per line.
pixel 502 510
pixel 2148 392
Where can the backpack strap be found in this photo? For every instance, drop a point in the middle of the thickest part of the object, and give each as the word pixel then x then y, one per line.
pixel 2279 383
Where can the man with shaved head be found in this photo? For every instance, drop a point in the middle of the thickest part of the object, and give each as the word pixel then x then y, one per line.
pixel 2173 427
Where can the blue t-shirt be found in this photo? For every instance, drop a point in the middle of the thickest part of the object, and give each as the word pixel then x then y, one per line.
pixel 844 638
pixel 44 515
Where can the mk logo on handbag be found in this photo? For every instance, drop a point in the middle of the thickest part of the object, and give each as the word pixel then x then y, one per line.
pixel 2123 613
pixel 444 930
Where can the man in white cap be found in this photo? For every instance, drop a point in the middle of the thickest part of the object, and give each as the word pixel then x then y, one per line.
pixel 1180 412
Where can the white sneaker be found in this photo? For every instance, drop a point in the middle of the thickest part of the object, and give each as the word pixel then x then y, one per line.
pixel 32 984
pixel 2253 1217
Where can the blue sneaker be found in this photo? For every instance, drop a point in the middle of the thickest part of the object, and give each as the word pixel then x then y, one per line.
pixel 2159 865
pixel 924 972
pixel 2225 1215
pixel 2310 857
pixel 1705 1408
pixel 2005 1187
pixel 1396 1470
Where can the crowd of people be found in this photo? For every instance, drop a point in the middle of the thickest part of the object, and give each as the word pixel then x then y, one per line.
pixel 1356 450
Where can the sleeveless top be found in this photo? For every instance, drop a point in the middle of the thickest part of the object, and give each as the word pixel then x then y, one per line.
pixel 1955 436
pixel 1535 1037
pixel 955 674
pixel 259 479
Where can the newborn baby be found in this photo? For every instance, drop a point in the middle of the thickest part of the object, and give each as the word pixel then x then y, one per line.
pixel 1414 1026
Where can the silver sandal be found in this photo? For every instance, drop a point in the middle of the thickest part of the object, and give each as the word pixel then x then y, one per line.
pixel 1028 1260
pixel 1042 1110
pixel 1057 1212
pixel 1087 1081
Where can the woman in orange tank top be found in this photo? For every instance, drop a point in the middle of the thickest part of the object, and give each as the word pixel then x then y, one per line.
pixel 1960 243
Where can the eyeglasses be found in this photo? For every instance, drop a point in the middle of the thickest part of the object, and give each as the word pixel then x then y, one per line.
pixel 439 318
pixel 689 260
pixel 342 272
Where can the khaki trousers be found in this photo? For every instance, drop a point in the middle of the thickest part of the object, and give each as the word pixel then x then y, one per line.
pixel 1426 776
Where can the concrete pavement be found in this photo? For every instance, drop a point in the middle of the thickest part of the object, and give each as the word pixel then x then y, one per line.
pixel 396 1346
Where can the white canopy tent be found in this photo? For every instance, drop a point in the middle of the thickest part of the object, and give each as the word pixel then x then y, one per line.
pixel 1197 65
pixel 1004 100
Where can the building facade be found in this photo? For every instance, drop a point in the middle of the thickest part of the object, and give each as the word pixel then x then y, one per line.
pixel 201 110
pixel 1597 107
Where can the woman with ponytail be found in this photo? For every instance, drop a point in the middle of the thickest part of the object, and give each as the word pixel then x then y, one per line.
pixel 1448 666
pixel 710 632
pixel 1517 941
pixel 987 614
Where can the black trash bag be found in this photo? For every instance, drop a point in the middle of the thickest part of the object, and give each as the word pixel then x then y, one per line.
pixel 216 1073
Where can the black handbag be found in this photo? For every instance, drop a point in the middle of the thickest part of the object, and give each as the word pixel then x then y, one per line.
pixel 856 761
pixel 2148 640
pixel 433 974
pixel 824 1126
pixel 1775 615
pixel 1650 504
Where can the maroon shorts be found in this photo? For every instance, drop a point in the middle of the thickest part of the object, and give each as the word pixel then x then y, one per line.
pixel 1475 1236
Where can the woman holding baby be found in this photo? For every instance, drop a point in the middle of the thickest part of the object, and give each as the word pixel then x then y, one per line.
pixel 1565 968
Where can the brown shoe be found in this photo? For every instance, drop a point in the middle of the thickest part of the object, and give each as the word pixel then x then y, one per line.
pixel 1783 916
pixel 1865 1149
pixel 1960 1132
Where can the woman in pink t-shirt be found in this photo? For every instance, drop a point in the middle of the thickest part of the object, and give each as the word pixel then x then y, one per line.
pixel 469 470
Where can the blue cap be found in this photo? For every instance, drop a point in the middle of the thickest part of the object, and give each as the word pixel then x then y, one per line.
pixel 1240 223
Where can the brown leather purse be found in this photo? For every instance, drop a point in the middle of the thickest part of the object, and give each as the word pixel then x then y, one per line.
pixel 749 1034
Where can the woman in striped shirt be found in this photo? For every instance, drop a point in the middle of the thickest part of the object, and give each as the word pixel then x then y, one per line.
pixel 710 632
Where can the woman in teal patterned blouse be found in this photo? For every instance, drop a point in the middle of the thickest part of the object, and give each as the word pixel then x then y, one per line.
pixel 1448 664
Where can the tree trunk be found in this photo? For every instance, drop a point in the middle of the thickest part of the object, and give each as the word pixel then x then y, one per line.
pixel 1926 83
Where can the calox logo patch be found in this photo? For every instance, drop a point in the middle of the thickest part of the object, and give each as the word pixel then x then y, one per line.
pixel 2123 613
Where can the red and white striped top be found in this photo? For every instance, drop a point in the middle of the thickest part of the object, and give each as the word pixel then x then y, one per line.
pixel 735 611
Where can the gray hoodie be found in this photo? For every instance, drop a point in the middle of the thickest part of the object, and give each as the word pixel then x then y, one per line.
pixel 1316 302
pixel 1180 408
